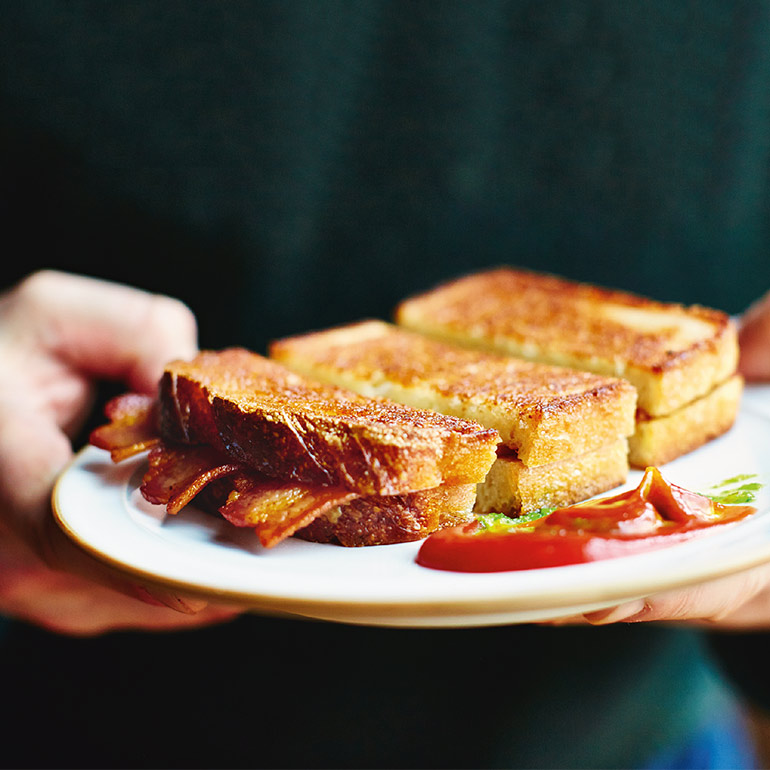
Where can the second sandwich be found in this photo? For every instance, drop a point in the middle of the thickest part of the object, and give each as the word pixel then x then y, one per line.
pixel 681 359
pixel 564 432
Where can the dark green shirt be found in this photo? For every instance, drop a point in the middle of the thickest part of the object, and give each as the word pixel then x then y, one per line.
pixel 288 165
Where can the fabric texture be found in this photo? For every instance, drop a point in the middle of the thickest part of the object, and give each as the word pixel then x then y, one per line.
pixel 287 165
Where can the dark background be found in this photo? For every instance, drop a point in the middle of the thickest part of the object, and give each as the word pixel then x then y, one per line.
pixel 282 166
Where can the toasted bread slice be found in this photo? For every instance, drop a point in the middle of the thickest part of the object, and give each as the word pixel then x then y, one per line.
pixel 543 413
pixel 565 431
pixel 672 354
pixel 284 426
pixel 514 489
pixel 393 519
pixel 658 440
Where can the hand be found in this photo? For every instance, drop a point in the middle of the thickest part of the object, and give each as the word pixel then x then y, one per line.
pixel 59 334
pixel 755 341
pixel 740 601
pixel 737 602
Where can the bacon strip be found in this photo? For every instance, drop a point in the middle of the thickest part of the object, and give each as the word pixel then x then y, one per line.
pixel 277 510
pixel 132 426
pixel 176 475
pixel 274 509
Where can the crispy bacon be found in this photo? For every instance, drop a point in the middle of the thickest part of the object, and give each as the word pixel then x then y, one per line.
pixel 132 426
pixel 177 474
pixel 274 509
pixel 277 510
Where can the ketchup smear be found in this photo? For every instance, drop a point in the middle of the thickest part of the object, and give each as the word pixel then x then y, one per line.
pixel 654 515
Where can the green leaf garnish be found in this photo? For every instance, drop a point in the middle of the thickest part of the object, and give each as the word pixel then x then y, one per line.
pixel 734 492
pixel 499 521
pixel 744 494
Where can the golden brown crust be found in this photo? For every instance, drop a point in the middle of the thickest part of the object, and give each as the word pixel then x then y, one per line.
pixel 514 489
pixel 285 426
pixel 393 519
pixel 670 353
pixel 659 440
pixel 543 413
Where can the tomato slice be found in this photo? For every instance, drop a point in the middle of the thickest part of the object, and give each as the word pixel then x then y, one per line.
pixel 460 550
pixel 654 515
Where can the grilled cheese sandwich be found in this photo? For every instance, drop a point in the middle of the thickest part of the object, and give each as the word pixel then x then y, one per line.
pixel 673 355
pixel 569 426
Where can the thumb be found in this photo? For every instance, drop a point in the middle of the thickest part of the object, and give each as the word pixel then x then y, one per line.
pixel 755 340
pixel 105 329
pixel 737 601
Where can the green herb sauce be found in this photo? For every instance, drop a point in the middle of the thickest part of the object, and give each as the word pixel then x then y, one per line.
pixel 499 521
pixel 737 490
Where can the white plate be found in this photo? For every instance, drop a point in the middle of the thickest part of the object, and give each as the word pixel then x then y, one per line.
pixel 98 504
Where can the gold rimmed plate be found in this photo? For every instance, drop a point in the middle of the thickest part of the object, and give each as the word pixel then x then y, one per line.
pixel 98 504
